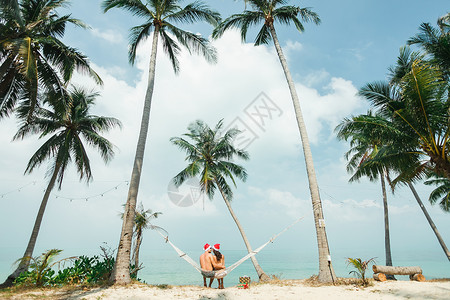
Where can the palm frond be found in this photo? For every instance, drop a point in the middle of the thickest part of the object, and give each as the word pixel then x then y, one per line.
pixel 210 155
pixel 136 7
pixel 242 22
pixel 194 43
pixel 137 35
pixel 195 12
pixel 172 49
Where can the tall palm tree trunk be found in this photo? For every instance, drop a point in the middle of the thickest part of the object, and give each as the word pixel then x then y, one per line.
pixel 262 276
pixel 387 240
pixel 121 272
pixel 430 221
pixel 326 272
pixel 25 262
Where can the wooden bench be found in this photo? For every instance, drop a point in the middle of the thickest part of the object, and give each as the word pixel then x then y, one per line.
pixel 380 272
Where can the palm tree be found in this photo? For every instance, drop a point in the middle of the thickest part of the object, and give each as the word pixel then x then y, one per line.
pixel 32 55
pixel 415 126
pixel 364 145
pixel 267 12
pixel 160 16
pixel 142 220
pixel 418 111
pixel 211 155
pixel 68 124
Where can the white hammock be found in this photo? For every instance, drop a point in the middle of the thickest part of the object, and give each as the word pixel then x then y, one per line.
pixel 223 272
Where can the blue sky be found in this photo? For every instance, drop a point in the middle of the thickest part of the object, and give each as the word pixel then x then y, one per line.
pixel 355 44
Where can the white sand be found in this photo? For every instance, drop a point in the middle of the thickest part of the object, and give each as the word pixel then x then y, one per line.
pixel 285 290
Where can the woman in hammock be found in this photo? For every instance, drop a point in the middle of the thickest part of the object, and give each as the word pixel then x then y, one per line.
pixel 219 259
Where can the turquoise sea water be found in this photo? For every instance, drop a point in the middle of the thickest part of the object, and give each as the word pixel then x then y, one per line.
pixel 165 267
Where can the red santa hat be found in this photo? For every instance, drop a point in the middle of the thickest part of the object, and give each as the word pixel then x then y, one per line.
pixel 216 247
pixel 206 247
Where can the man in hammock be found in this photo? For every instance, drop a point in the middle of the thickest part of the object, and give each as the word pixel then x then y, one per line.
pixel 208 264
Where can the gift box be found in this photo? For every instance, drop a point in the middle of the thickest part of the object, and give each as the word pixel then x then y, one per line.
pixel 244 280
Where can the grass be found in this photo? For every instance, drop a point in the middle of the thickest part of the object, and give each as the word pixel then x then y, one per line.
pixel 314 282
pixel 439 280
pixel 27 292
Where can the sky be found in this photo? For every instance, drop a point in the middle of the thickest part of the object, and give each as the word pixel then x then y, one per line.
pixel 355 44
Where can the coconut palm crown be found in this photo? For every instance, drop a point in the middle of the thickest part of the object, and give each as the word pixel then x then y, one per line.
pixel 161 17
pixel 33 57
pixel 69 124
pixel 209 156
pixel 267 12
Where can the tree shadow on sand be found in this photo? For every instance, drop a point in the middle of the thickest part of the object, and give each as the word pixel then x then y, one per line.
pixel 221 296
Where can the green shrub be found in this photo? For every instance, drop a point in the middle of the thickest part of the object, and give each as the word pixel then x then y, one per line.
pixel 83 269
pixel 360 268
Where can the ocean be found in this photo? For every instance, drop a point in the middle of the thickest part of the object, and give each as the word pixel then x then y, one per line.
pixel 166 267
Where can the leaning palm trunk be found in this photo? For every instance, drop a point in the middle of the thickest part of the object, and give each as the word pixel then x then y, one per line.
pixel 121 272
pixel 262 276
pixel 430 221
pixel 25 261
pixel 136 250
pixel 326 272
pixel 387 240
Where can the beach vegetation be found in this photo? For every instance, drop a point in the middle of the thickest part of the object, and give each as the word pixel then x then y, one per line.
pixel 67 120
pixel 40 269
pixel 268 13
pixel 360 267
pixel 210 153
pixel 161 20
pixel 78 270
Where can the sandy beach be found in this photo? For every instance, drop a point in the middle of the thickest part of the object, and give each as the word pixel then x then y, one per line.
pixel 287 289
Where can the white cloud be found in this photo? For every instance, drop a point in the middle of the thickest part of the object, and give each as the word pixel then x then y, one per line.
pixel 291 47
pixel 108 35
pixel 317 78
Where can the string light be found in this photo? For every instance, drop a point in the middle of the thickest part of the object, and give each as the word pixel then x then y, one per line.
pixel 18 189
pixel 342 203
pixel 86 198
pixel 93 196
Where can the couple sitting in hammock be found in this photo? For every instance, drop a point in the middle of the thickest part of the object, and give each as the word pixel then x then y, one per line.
pixel 213 265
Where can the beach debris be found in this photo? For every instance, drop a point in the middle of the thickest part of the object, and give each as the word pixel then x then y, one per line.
pixel 379 277
pixel 415 273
